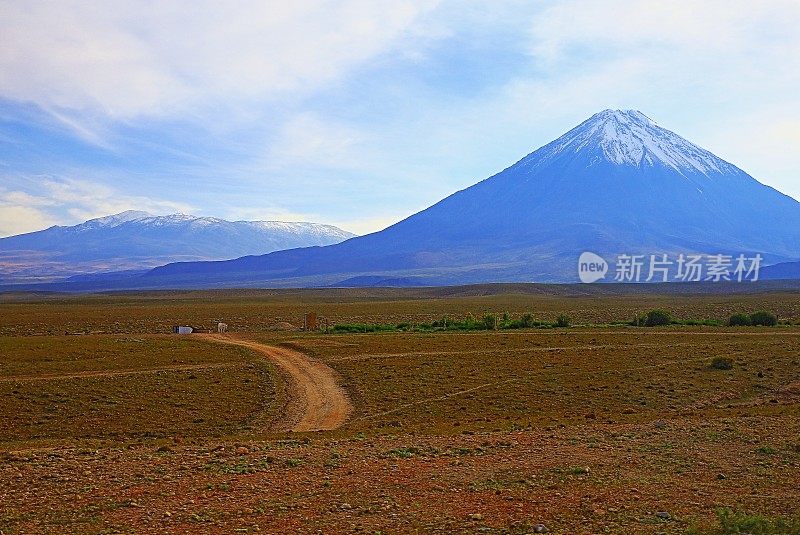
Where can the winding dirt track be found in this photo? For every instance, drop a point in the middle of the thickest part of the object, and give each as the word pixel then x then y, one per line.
pixel 316 401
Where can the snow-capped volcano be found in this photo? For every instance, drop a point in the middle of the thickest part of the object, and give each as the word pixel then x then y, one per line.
pixel 618 183
pixel 136 240
pixel 629 137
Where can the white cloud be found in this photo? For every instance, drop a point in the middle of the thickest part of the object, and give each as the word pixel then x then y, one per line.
pixel 18 219
pixel 308 140
pixel 366 225
pixel 122 59
pixel 710 27
pixel 724 73
pixel 397 118
pixel 86 200
pixel 716 52
pixel 768 140
pixel 265 212
pixel 69 201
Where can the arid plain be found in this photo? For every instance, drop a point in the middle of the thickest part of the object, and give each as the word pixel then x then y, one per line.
pixel 110 424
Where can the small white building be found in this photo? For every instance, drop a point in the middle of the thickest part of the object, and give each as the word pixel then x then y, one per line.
pixel 182 329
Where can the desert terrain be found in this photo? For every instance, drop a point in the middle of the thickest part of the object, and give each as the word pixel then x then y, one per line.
pixel 111 424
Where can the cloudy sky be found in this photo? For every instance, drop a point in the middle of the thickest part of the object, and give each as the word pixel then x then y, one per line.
pixel 361 112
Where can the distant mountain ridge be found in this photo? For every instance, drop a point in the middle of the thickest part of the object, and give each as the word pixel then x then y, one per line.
pixel 618 183
pixel 137 241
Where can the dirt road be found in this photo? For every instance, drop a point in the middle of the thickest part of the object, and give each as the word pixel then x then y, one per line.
pixel 316 401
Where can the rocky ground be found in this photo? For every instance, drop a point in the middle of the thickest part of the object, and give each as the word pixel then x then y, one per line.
pixel 655 478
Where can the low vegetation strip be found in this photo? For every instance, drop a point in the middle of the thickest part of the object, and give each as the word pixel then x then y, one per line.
pixel 492 322
pixel 470 323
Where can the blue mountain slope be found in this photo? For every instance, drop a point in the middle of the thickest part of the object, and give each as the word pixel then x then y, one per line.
pixel 782 271
pixel 617 183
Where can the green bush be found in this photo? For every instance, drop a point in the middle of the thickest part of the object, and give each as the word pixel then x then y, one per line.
pixel 722 363
pixel 656 318
pixel 490 321
pixel 764 319
pixel 527 321
pixel 639 320
pixel 447 324
pixel 740 320
pixel 563 321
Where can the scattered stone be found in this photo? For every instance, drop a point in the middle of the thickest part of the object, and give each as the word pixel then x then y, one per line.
pixel 476 516
pixel 540 528
pixel 721 476
pixel 345 506
pixel 663 515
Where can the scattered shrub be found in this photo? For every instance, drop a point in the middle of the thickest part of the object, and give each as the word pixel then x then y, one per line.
pixel 490 321
pixel 656 318
pixel 447 324
pixel 527 321
pixel 740 320
pixel 722 363
pixel 563 321
pixel 764 319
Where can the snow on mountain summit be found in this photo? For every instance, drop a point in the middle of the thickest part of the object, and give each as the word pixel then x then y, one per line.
pixel 629 137
pixel 142 220
pixel 135 240
pixel 116 219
